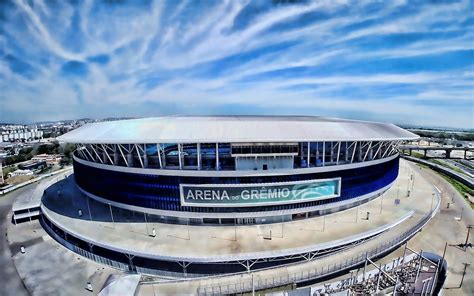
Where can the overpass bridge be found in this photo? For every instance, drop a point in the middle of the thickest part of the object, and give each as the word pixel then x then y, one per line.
pixel 407 149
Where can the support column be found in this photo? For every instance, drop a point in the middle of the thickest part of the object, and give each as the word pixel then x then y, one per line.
pixel 104 156
pixel 116 155
pixel 217 156
pixel 130 157
pixel 180 148
pixel 324 153
pixel 309 148
pixel 354 149
pixel 338 152
pixel 145 157
pixel 332 152
pixel 317 153
pixel 346 155
pixel 158 152
pixel 448 153
pixel 199 162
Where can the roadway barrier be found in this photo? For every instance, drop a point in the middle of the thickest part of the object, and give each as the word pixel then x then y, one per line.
pixel 466 180
pixel 9 189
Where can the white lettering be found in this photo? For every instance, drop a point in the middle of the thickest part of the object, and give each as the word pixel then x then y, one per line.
pixel 225 195
pixel 273 193
pixel 285 192
pixel 263 193
pixel 260 194
pixel 190 195
pixel 254 194
pixel 199 194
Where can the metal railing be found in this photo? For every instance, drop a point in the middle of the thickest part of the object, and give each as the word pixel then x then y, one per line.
pixel 316 273
pixel 38 178
pixel 99 259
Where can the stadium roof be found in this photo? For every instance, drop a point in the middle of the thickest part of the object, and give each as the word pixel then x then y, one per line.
pixel 224 129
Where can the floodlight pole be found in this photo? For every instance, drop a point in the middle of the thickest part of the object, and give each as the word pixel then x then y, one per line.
pixel 357 213
pixel 467 237
pixel 187 227
pixel 235 231
pixel 253 286
pixel 282 226
pixel 146 224
pixel 381 204
pixel 89 208
pixel 463 273
pixel 112 215
pixel 444 252
pixel 324 223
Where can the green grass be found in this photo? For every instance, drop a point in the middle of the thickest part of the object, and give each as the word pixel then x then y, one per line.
pixel 7 170
pixel 461 188
pixel 422 156
pixel 417 154
pixel 448 166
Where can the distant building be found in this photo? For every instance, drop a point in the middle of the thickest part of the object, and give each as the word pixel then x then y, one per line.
pixel 50 159
pixel 33 165
pixel 20 173
pixel 19 133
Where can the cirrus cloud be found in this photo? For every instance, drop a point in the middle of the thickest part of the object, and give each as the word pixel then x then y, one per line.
pixel 397 61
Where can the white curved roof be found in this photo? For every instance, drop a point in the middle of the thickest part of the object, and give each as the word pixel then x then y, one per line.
pixel 225 129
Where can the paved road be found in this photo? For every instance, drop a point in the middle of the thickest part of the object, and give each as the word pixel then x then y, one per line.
pixel 466 180
pixel 11 281
pixel 461 166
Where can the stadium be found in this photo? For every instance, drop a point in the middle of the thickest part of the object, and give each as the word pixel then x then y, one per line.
pixel 146 192
pixel 180 167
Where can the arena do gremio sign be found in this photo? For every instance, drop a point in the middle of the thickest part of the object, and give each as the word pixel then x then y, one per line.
pixel 244 195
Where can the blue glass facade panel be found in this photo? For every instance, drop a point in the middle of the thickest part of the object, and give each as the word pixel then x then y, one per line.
pixel 162 192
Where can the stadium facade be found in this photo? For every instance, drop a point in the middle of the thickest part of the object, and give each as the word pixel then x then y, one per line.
pixel 236 169
pixel 190 177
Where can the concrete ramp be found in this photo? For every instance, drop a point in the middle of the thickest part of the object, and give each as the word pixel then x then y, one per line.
pixel 123 285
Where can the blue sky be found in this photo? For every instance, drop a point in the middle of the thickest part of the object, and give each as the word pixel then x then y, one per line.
pixel 407 62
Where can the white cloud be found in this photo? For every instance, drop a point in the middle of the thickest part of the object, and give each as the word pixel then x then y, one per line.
pixel 182 56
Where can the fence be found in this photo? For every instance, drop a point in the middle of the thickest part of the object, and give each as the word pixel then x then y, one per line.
pixel 9 189
pixel 317 273
pixel 82 252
